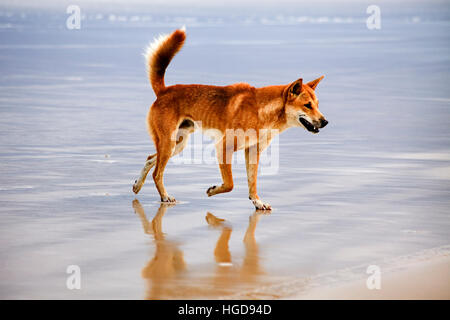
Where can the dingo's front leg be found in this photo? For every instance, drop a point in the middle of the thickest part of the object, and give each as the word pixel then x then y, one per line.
pixel 227 185
pixel 251 162
pixel 224 156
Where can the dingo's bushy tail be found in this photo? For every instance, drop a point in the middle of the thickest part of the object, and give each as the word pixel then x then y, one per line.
pixel 159 54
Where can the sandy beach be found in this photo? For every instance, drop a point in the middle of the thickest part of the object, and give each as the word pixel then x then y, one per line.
pixel 428 279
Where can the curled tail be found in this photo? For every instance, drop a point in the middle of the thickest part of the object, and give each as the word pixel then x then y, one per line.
pixel 159 54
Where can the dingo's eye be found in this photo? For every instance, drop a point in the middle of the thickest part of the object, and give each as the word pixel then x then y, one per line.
pixel 308 105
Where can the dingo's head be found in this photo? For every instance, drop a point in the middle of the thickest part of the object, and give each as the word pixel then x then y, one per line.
pixel 302 106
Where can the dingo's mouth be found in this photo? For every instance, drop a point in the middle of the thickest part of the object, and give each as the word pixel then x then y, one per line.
pixel 308 125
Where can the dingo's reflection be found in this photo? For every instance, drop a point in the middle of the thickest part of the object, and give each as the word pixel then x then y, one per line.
pixel 168 261
pixel 164 272
pixel 227 274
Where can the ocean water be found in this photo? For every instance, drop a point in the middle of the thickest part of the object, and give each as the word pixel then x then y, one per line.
pixel 372 186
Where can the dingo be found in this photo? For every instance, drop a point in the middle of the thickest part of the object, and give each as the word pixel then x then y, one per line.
pixel 179 109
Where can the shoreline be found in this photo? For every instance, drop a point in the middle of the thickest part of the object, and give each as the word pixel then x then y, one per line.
pixel 428 279
pixel 423 274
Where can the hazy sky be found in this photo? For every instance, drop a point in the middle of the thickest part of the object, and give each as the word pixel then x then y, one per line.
pixel 189 3
pixel 352 8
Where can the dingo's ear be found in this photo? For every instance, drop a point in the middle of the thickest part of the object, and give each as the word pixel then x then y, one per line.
pixel 296 87
pixel 313 84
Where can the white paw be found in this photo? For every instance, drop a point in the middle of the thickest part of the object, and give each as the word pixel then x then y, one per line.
pixel 261 205
pixel 168 199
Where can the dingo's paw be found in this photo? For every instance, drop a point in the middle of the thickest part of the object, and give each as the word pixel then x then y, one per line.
pixel 259 205
pixel 137 187
pixel 211 191
pixel 168 199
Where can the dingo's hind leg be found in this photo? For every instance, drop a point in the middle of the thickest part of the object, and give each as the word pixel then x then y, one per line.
pixel 166 140
pixel 149 164
pixel 164 149
pixel 185 129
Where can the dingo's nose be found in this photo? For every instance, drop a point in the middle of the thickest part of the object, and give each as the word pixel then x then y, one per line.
pixel 323 123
